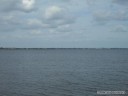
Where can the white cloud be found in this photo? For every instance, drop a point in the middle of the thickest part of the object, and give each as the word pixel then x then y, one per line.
pixel 36 32
pixel 52 12
pixel 56 16
pixel 34 23
pixel 27 5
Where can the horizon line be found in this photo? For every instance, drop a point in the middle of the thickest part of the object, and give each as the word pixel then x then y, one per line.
pixel 61 48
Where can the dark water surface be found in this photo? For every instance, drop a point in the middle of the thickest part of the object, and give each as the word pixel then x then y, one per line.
pixel 62 72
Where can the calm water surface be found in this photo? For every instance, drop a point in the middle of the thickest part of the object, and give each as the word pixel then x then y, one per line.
pixel 62 72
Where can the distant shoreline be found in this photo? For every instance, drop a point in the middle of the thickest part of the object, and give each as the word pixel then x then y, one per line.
pixel 53 48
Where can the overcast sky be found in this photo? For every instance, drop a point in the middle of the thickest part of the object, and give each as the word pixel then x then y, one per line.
pixel 64 23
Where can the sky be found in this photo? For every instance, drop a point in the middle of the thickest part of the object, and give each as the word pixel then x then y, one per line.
pixel 64 23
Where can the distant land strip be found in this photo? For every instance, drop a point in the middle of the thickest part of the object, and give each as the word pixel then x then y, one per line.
pixel 1 48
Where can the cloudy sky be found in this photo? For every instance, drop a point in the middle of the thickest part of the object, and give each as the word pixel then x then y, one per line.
pixel 64 23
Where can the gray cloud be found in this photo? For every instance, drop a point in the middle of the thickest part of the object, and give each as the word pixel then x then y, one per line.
pixel 120 28
pixel 109 10
pixel 54 17
pixel 122 2
pixel 17 5
pixel 9 23
pixel 120 15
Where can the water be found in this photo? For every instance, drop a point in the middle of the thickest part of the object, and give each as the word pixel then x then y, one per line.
pixel 62 72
